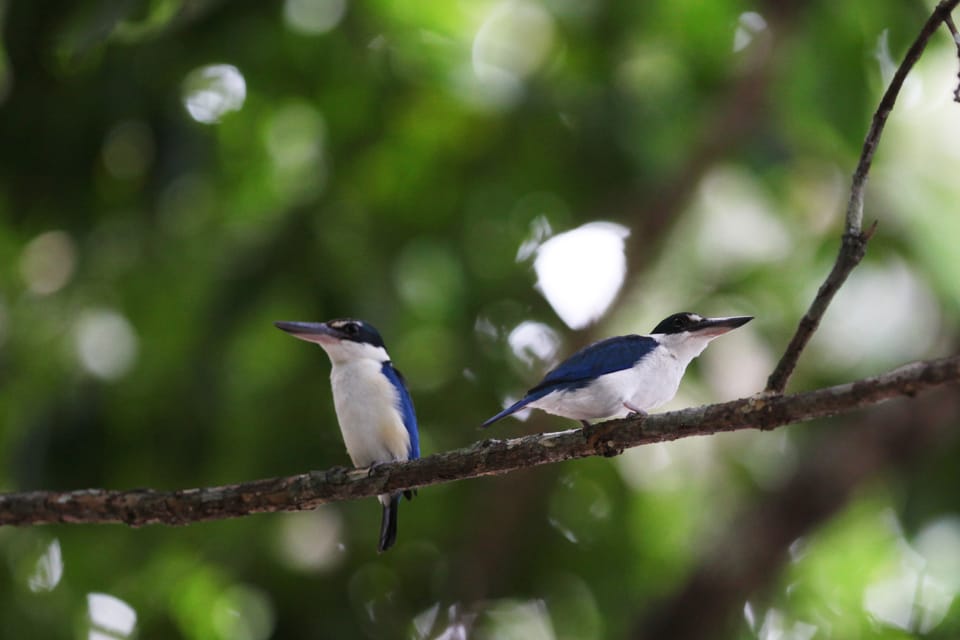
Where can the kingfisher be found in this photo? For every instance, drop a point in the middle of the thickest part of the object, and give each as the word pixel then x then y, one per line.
pixel 373 406
pixel 624 375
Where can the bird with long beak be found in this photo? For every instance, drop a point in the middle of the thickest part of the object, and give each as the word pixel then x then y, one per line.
pixel 624 375
pixel 370 397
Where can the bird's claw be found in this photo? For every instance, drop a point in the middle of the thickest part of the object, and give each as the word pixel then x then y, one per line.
pixel 635 411
pixel 372 469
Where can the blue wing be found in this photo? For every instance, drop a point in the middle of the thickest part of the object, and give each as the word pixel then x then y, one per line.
pixel 600 358
pixel 580 369
pixel 405 407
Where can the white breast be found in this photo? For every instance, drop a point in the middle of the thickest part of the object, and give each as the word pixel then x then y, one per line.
pixel 366 405
pixel 655 379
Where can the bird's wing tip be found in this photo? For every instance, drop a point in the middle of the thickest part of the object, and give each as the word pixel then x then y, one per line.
pixel 516 406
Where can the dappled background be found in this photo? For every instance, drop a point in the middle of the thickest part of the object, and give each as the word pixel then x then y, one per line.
pixel 492 184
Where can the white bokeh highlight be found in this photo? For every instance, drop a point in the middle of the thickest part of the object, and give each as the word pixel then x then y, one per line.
pixel 534 343
pixel 47 262
pixel 211 92
pixel 529 620
pixel 48 570
pixel 738 224
pixel 110 616
pixel 105 343
pixel 581 271
pixel 917 591
pixel 312 541
pixel 749 25
pixel 884 315
pixel 313 17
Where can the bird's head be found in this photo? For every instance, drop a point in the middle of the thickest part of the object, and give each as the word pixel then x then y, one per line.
pixel 690 333
pixel 344 339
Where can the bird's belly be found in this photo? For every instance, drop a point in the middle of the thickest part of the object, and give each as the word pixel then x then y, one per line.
pixel 644 387
pixel 591 402
pixel 372 428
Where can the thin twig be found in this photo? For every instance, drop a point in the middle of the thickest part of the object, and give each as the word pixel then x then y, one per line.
pixel 956 40
pixel 854 241
pixel 147 506
pixel 852 249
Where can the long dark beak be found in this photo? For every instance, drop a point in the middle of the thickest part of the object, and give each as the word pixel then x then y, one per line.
pixel 318 332
pixel 719 326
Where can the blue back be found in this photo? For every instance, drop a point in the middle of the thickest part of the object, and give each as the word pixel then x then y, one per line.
pixel 585 366
pixel 600 358
pixel 405 407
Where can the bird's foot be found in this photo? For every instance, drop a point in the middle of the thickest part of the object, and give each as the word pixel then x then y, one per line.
pixel 375 466
pixel 635 411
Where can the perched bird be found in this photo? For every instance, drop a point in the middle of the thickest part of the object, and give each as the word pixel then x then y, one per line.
pixel 626 374
pixel 373 405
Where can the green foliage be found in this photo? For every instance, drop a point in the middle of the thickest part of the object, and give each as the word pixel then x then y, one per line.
pixel 178 175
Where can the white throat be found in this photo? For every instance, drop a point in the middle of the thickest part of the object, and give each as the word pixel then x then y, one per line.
pixel 344 351
pixel 684 346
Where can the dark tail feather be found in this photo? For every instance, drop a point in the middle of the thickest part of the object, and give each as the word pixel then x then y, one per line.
pixel 516 406
pixel 388 526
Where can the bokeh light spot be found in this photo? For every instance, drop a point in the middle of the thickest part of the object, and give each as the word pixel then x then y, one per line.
pixel 312 540
pixel 105 343
pixel 424 621
pixel 534 343
pixel 512 619
pixel 511 44
pixel 581 271
pixel 47 262
pixel 243 612
pixel 749 25
pixel 738 225
pixel 939 543
pixel 211 92
pixel 776 626
pixel 313 17
pixel 883 315
pixel 48 570
pixel 110 615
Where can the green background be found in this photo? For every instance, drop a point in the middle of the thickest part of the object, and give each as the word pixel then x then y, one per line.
pixel 388 160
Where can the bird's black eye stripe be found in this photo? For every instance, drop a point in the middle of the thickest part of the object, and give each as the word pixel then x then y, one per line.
pixel 357 331
pixel 677 323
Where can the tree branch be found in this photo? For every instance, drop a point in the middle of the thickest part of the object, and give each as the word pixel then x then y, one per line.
pixel 956 40
pixel 305 491
pixel 854 241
